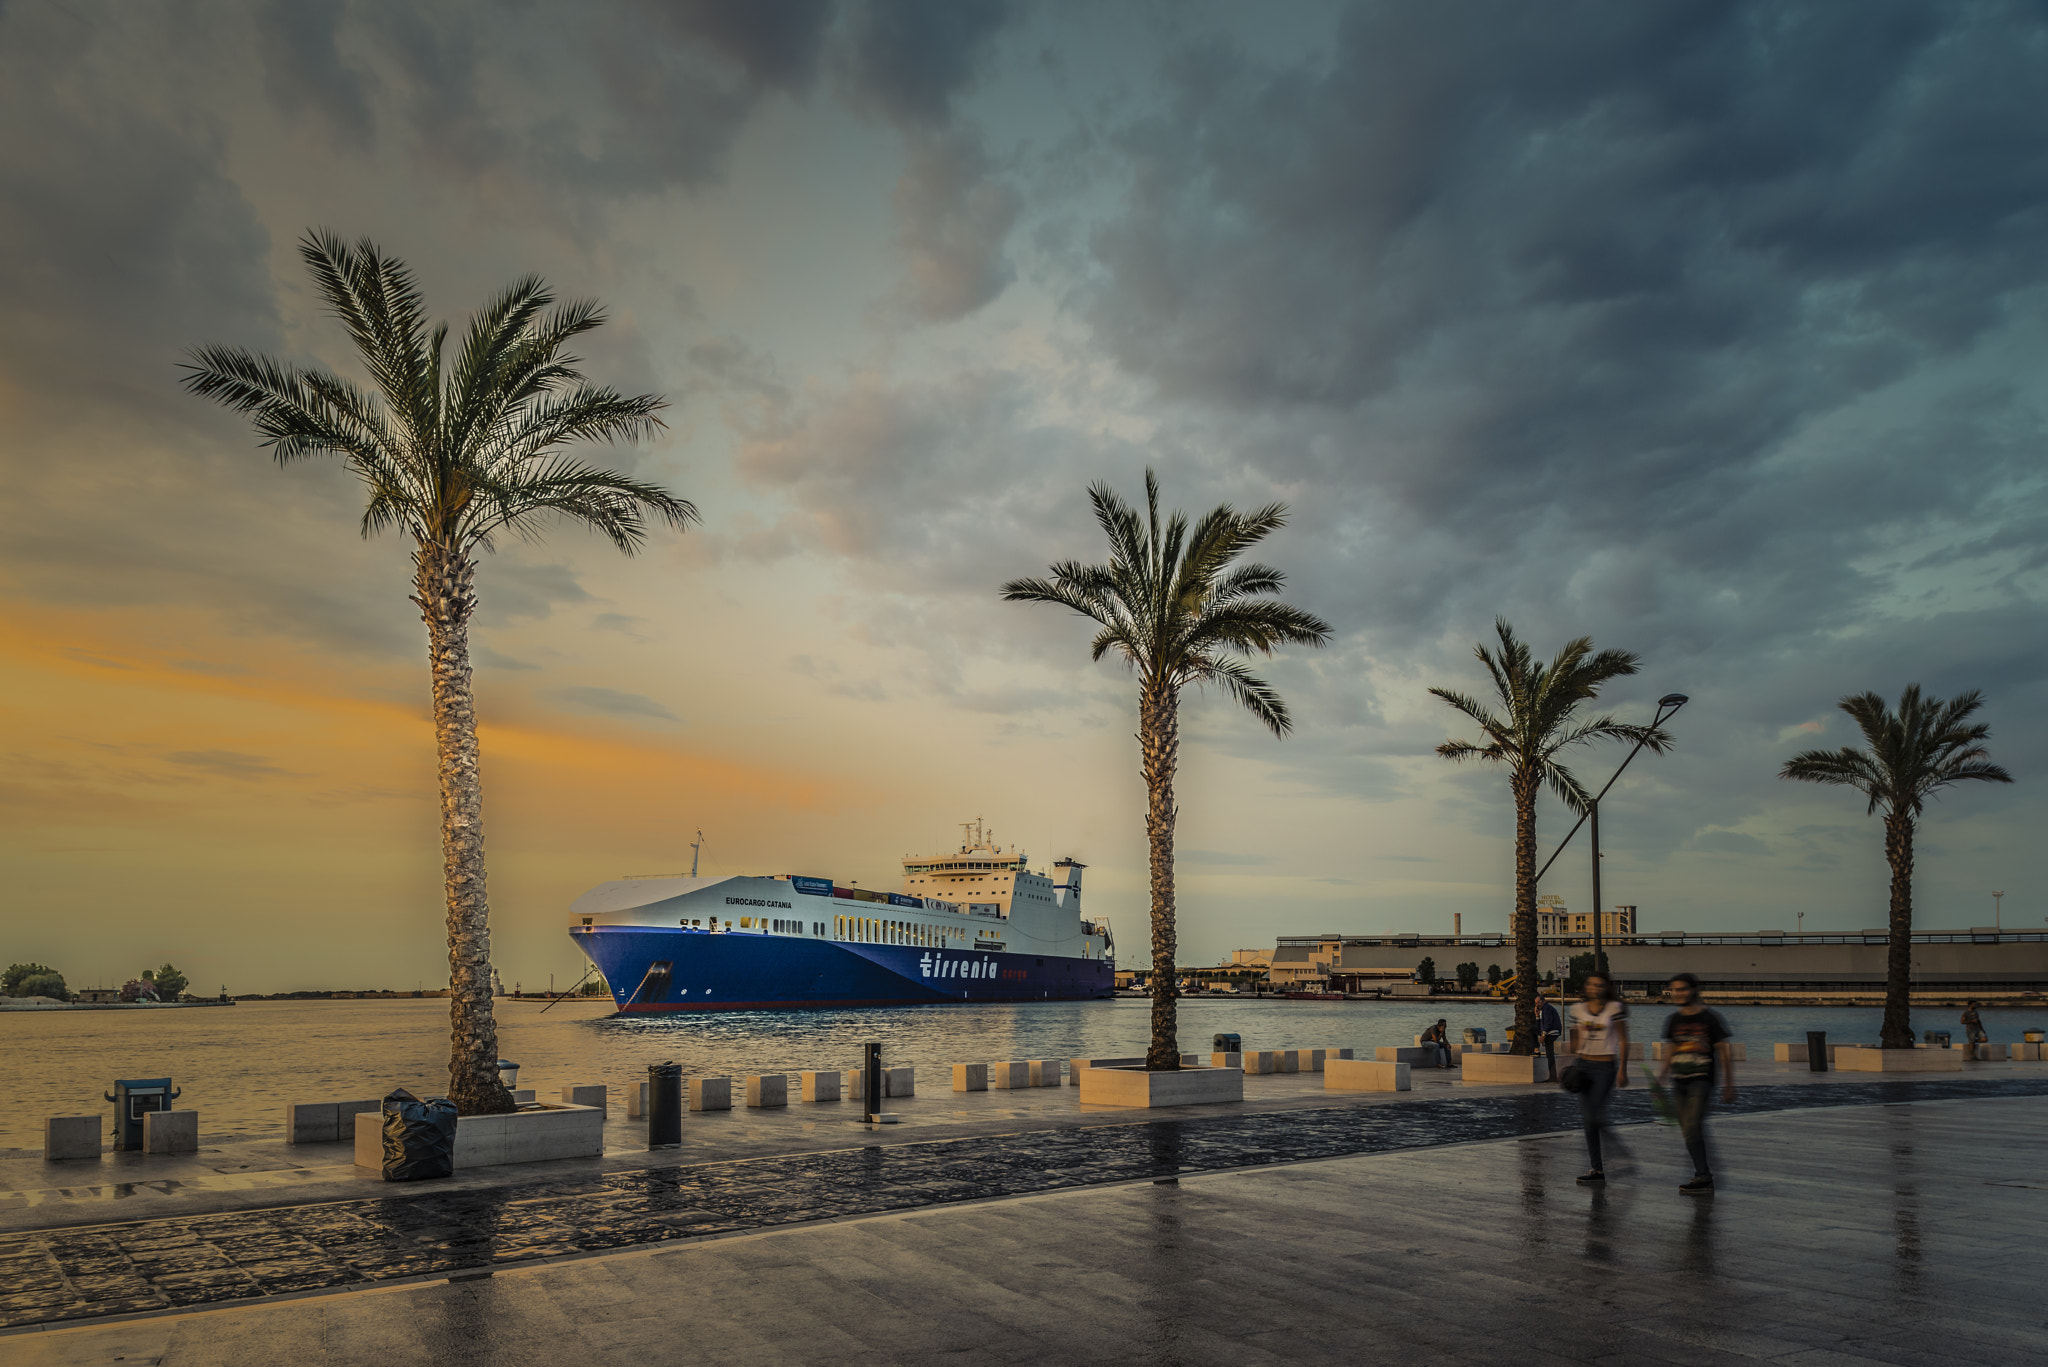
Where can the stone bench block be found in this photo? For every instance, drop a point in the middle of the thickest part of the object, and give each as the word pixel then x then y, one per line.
pixel 1224 1060
pixel 524 1096
pixel 1261 1061
pixel 1015 1074
pixel 1287 1060
pixel 324 1122
pixel 71 1136
pixel 970 1077
pixel 1364 1075
pixel 170 1132
pixel 1852 1059
pixel 636 1101
pixel 1415 1056
pixel 819 1086
pixel 1045 1072
pixel 767 1089
pixel 710 1093
pixel 1507 1069
pixel 899 1082
pixel 2029 1053
pixel 588 1094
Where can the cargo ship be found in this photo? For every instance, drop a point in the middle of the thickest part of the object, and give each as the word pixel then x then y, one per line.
pixel 976 924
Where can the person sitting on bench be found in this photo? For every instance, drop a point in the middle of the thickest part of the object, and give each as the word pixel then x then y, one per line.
pixel 1439 1039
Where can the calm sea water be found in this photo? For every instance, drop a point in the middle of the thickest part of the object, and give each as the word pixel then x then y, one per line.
pixel 240 1065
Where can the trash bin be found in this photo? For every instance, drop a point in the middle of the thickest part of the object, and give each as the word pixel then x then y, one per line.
pixel 134 1098
pixel 1817 1051
pixel 664 1105
pixel 419 1137
pixel 1226 1042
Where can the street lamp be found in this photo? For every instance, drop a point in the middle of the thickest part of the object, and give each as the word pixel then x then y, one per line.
pixel 1667 707
pixel 1997 908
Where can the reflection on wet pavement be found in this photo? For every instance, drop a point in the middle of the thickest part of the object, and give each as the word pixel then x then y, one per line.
pixel 160 1264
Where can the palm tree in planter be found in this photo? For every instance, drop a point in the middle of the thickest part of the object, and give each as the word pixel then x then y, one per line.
pixel 1923 747
pixel 453 452
pixel 1173 604
pixel 1539 720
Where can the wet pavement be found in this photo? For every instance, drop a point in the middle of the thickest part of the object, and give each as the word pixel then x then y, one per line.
pixel 192 1261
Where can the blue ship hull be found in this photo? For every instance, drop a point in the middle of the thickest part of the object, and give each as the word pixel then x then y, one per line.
pixel 660 969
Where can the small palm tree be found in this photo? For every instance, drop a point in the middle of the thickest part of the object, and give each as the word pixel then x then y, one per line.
pixel 1539 719
pixel 1173 606
pixel 453 454
pixel 1925 746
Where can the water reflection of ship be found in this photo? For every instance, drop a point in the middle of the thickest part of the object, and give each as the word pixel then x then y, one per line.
pixel 974 924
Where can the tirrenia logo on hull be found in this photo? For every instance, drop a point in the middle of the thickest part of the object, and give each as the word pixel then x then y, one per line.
pixel 939 966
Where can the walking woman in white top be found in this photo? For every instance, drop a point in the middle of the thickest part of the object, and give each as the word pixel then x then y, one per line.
pixel 1600 1043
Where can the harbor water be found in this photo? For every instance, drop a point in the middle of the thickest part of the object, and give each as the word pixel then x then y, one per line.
pixel 240 1065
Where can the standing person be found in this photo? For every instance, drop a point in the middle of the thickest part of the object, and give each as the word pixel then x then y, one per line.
pixel 1973 1029
pixel 1600 1042
pixel 1437 1037
pixel 1699 1049
pixel 1548 1027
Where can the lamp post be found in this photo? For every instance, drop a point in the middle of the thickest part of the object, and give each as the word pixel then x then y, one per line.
pixel 1667 707
pixel 1997 911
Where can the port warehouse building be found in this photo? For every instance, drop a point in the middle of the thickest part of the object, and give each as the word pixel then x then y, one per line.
pixel 1980 958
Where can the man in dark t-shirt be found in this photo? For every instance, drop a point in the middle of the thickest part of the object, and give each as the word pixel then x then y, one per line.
pixel 1699 1054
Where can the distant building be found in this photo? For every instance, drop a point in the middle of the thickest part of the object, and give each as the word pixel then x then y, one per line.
pixel 1304 961
pixel 1554 920
pixel 97 995
pixel 1248 958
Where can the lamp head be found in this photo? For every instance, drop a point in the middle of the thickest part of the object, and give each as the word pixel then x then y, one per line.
pixel 1674 701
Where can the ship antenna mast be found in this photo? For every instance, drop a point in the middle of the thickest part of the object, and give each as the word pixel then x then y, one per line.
pixel 696 848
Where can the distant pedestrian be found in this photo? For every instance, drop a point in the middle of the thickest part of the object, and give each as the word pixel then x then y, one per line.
pixel 1600 1043
pixel 1973 1029
pixel 1438 1037
pixel 1548 1027
pixel 1699 1052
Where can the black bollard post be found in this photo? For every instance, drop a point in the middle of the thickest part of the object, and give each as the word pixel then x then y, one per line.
pixel 1817 1051
pixel 664 1105
pixel 871 1079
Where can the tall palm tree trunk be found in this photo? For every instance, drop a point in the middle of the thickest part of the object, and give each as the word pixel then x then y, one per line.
pixel 1159 742
pixel 1525 915
pixel 445 590
pixel 1897 1031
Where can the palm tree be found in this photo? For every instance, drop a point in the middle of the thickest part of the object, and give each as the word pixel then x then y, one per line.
pixel 1539 720
pixel 1171 603
pixel 453 455
pixel 1923 747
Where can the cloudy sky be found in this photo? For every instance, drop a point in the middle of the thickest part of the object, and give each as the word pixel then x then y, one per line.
pixel 1715 331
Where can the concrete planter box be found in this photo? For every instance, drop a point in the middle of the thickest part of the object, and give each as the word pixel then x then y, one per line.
pixel 484 1141
pixel 1508 1069
pixel 1364 1075
pixel 1855 1060
pixel 1077 1066
pixel 1134 1087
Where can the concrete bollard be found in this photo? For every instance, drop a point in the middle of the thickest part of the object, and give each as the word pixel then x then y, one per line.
pixel 636 1101
pixel 1045 1072
pixel 1226 1060
pixel 1263 1061
pixel 589 1094
pixel 1346 1053
pixel 767 1089
pixel 1009 1075
pixel 170 1132
pixel 970 1077
pixel 899 1082
pixel 854 1084
pixel 1286 1061
pixel 1316 1059
pixel 523 1096
pixel 324 1122
pixel 710 1093
pixel 71 1136
pixel 819 1086
pixel 1076 1067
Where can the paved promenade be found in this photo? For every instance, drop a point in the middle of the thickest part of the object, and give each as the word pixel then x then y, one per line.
pixel 1867 1233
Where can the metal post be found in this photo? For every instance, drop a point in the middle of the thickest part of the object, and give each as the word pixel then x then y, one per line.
pixel 664 1105
pixel 871 1079
pixel 1599 948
